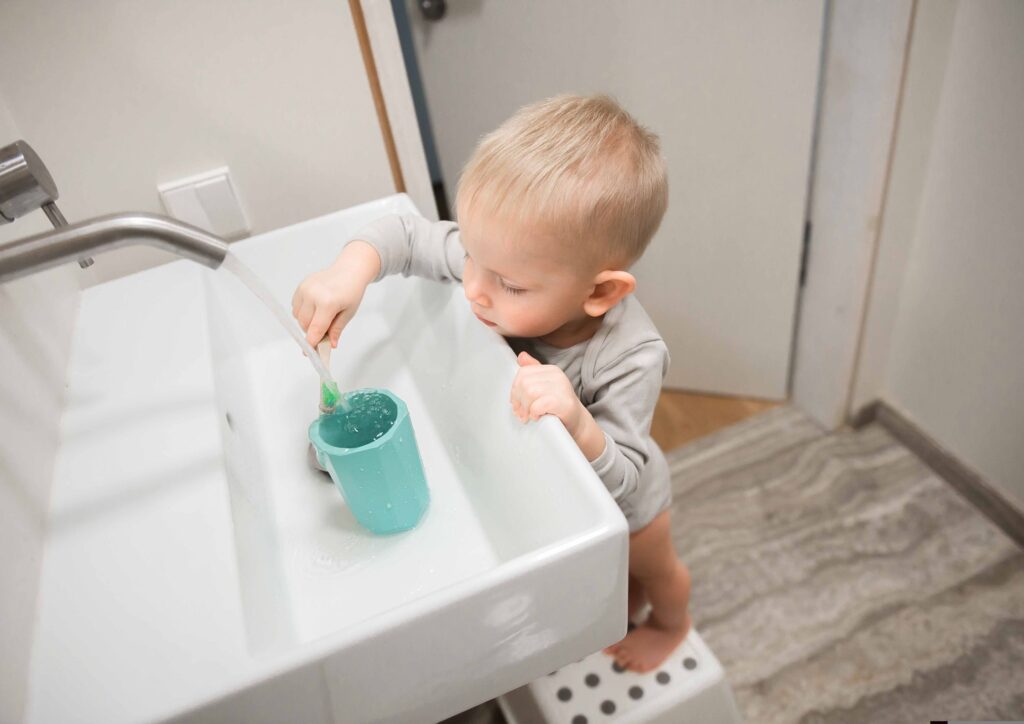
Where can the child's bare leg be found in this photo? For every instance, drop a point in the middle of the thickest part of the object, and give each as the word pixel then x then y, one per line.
pixel 637 597
pixel 666 582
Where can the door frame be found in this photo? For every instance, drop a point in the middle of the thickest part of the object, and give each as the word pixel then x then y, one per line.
pixel 378 24
pixel 864 68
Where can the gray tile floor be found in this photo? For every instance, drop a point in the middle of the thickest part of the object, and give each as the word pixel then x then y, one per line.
pixel 838 579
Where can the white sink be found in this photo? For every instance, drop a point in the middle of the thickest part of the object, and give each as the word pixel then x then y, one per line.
pixel 197 568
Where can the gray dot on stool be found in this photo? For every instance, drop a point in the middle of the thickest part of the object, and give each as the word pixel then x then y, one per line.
pixel 635 692
pixel 592 680
pixel 579 719
pixel 616 668
pixel 608 706
pixel 663 677
pixel 564 694
pixel 690 663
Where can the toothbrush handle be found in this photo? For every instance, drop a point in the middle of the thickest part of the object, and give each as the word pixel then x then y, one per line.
pixel 324 350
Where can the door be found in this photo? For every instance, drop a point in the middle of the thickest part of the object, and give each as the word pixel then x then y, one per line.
pixel 729 87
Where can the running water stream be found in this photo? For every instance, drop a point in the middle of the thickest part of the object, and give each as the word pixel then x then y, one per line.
pixel 329 388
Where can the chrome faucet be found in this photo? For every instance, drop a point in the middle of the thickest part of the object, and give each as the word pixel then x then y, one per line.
pixel 26 185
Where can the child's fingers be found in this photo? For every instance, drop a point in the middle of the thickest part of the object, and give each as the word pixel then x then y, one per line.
pixel 526 360
pixel 518 405
pixel 528 380
pixel 517 384
pixel 318 325
pixel 516 398
pixel 542 406
pixel 536 385
pixel 529 384
pixel 334 331
pixel 305 314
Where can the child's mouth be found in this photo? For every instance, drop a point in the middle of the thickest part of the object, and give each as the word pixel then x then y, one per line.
pixel 488 323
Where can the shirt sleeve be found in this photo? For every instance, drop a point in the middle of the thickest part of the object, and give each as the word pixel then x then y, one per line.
pixel 623 408
pixel 413 246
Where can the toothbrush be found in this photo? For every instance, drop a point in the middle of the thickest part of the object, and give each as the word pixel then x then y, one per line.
pixel 329 395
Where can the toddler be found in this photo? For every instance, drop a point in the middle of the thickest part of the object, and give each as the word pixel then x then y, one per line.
pixel 554 207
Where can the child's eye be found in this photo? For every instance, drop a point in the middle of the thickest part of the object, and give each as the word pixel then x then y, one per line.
pixel 511 290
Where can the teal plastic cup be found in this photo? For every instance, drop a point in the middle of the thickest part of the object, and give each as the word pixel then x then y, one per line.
pixel 371 455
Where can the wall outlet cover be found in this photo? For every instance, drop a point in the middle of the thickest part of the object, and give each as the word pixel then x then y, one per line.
pixel 209 201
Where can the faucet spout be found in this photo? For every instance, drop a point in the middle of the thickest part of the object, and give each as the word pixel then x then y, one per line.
pixel 71 243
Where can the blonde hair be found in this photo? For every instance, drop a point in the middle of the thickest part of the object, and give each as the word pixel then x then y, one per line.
pixel 578 165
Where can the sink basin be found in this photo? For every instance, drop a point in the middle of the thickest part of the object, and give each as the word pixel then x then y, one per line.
pixel 197 568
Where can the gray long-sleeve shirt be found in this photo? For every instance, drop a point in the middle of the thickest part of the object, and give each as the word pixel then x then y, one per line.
pixel 617 373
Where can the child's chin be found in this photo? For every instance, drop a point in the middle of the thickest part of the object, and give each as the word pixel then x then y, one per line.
pixel 504 331
pixel 515 333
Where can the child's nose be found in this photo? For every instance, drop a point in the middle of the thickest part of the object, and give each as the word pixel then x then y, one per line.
pixel 474 290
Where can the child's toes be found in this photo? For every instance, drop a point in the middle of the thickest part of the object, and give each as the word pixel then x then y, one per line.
pixel 642 667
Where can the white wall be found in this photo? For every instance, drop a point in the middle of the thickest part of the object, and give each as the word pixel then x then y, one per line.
pixel 925 73
pixel 945 336
pixel 36 316
pixel 118 97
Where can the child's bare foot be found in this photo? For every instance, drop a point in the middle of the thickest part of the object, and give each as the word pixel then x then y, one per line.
pixel 648 645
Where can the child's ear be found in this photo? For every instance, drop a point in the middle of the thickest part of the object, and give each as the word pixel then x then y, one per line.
pixel 610 287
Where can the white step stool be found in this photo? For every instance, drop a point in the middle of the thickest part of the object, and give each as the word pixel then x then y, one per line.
pixel 689 687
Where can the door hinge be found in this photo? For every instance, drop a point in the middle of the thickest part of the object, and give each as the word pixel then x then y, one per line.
pixel 805 249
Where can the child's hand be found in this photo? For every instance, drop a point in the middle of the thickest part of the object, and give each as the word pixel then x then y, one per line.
pixel 545 390
pixel 326 300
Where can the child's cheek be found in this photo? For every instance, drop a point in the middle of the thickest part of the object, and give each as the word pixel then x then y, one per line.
pixel 529 322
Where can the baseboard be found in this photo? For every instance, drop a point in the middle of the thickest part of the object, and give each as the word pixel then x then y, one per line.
pixel 865 415
pixel 975 489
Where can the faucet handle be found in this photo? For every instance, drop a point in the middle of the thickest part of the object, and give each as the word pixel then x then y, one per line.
pixel 25 184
